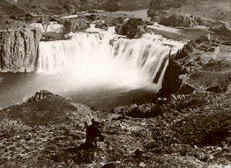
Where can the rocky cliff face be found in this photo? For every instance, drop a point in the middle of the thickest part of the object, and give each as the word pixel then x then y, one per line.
pixel 18 49
pixel 181 20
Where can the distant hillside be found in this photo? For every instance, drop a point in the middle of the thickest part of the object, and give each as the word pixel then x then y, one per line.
pixel 213 9
pixel 134 4
pixel 15 7
pixel 10 8
pixel 50 6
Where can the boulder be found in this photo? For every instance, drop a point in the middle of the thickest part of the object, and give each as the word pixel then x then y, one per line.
pixel 142 111
pixel 19 49
pixel 132 28
pixel 186 89
pixel 101 25
pixel 91 17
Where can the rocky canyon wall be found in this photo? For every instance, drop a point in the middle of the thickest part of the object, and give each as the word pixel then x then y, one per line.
pixel 18 49
pixel 11 7
pixel 172 11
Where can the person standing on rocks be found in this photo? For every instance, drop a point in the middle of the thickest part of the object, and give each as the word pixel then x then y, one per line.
pixel 93 134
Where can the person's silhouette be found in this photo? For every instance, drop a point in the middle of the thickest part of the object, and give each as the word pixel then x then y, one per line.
pixel 93 134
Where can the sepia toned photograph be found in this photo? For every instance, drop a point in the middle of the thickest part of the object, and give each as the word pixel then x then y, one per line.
pixel 115 83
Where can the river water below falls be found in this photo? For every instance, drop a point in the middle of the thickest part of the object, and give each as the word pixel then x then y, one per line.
pixel 95 67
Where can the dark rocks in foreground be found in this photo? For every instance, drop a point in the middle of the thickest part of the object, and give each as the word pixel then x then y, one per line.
pixel 139 111
pixel 207 128
pixel 179 130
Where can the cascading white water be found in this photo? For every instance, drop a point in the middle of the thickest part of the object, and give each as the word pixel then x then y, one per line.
pixel 103 59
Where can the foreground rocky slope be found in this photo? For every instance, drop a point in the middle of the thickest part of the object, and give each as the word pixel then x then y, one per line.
pixel 178 131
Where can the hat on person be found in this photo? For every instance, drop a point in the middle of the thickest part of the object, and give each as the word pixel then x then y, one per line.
pixel 94 121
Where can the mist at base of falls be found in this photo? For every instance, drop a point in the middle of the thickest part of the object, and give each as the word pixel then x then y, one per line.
pixel 97 67
pixel 26 85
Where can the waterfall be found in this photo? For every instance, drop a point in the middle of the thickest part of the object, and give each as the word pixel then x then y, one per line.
pixel 102 58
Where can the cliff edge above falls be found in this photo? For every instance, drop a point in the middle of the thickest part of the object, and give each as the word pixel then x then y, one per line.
pixel 19 48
